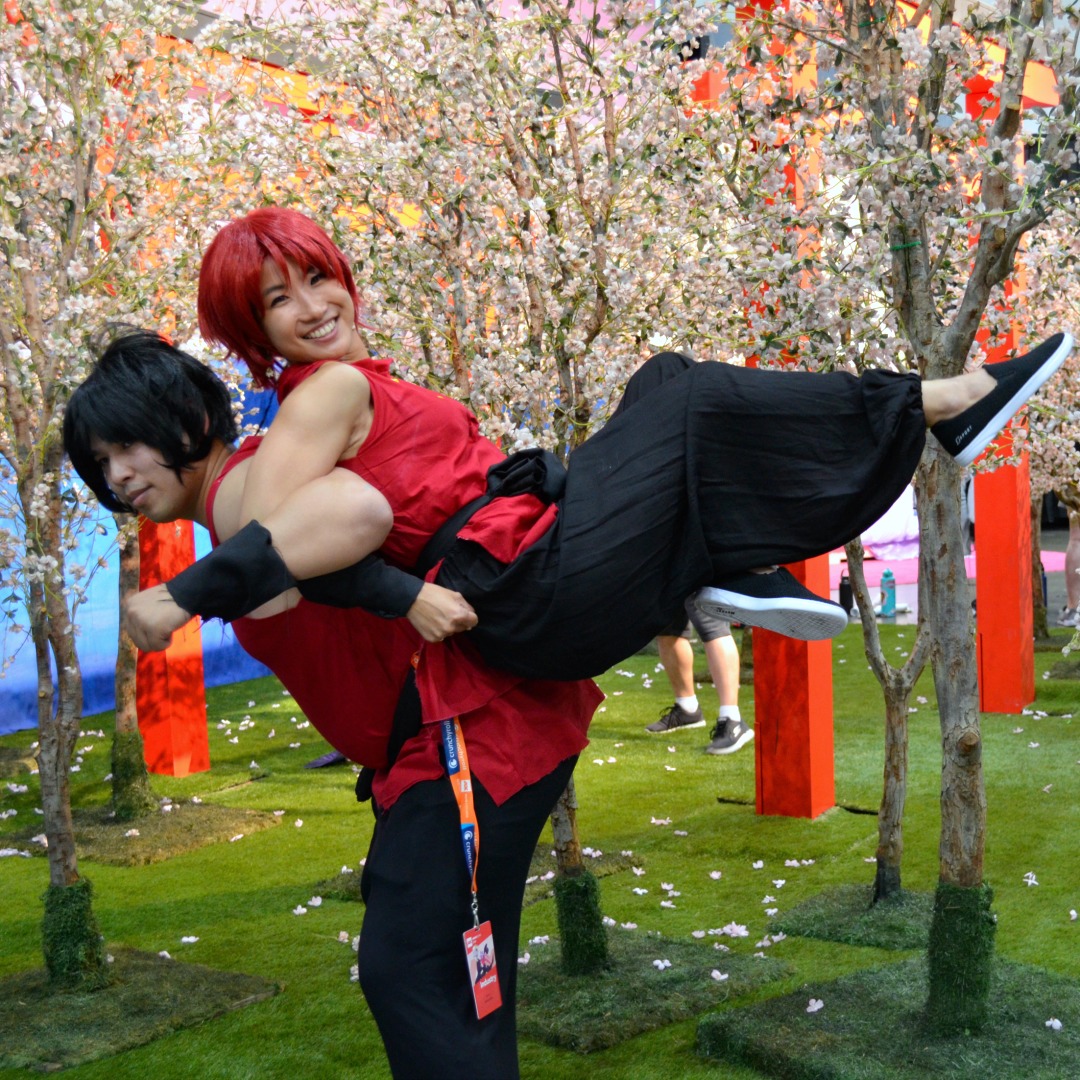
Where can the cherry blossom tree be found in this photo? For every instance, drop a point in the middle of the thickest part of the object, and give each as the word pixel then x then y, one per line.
pixel 100 183
pixel 1052 297
pixel 897 133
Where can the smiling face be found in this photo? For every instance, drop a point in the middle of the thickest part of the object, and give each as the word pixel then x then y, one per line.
pixel 137 476
pixel 308 316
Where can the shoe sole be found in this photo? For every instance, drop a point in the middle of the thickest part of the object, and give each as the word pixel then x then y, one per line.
pixel 806 620
pixel 994 426
pixel 680 727
pixel 738 744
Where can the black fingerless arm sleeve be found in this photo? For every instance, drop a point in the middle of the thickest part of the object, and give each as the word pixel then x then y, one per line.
pixel 372 584
pixel 245 571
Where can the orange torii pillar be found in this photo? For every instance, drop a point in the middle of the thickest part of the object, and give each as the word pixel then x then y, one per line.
pixel 793 690
pixel 1004 617
pixel 793 714
pixel 1005 630
pixel 169 696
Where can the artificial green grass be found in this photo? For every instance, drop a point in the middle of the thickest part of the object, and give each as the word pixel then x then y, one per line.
pixel 155 836
pixel 540 884
pixel 586 1013
pixel 870 1026
pixel 147 996
pixel 659 807
pixel 845 913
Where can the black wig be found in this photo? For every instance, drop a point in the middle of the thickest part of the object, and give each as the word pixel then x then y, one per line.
pixel 142 389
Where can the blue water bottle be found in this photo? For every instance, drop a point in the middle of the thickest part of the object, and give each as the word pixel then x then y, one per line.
pixel 888 593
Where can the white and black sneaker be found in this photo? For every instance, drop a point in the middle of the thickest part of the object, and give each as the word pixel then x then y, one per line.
pixel 1069 617
pixel 774 601
pixel 729 736
pixel 676 719
pixel 966 436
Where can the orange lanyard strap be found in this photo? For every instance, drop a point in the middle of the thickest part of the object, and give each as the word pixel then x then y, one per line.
pixel 457 769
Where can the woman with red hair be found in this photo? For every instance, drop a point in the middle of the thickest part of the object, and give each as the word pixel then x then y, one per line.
pixel 729 473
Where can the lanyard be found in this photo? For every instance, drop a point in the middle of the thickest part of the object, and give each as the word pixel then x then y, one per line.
pixel 460 776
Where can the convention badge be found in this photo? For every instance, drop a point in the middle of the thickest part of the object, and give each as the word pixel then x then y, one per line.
pixel 484 979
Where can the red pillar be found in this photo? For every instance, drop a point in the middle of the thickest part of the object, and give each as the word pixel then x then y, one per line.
pixel 169 695
pixel 1004 617
pixel 793 714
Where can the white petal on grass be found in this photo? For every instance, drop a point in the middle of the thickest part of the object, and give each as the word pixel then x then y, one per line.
pixel 1054 1024
pixel 189 939
pixel 299 910
pixel 719 976
pixel 815 1004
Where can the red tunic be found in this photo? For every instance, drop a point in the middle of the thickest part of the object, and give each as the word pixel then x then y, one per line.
pixel 346 667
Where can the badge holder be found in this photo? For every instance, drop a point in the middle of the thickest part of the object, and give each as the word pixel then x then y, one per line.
pixel 479 944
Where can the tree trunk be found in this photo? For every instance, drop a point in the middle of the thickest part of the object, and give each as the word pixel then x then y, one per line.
pixel 746 656
pixel 71 942
pixel 132 796
pixel 962 932
pixel 890 847
pixel 896 686
pixel 1038 602
pixel 582 937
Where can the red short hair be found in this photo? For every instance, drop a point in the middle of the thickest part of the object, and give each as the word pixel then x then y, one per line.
pixel 230 297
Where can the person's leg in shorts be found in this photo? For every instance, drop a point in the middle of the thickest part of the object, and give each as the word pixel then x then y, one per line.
pixel 731 732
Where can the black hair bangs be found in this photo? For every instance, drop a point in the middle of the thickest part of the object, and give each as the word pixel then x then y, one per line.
pixel 142 389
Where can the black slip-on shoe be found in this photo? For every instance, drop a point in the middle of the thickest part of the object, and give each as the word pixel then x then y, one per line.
pixel 966 436
pixel 774 601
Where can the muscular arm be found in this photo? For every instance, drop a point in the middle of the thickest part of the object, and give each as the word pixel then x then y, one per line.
pixel 314 527
pixel 324 420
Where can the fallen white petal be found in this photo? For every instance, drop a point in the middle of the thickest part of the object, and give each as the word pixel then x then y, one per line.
pixel 815 1004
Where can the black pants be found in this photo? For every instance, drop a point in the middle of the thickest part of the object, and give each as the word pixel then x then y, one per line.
pixel 716 469
pixel 412 956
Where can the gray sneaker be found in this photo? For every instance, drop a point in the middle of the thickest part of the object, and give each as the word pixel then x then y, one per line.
pixel 1070 617
pixel 729 736
pixel 676 719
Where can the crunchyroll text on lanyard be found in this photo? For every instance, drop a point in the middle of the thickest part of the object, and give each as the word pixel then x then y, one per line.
pixel 479 944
